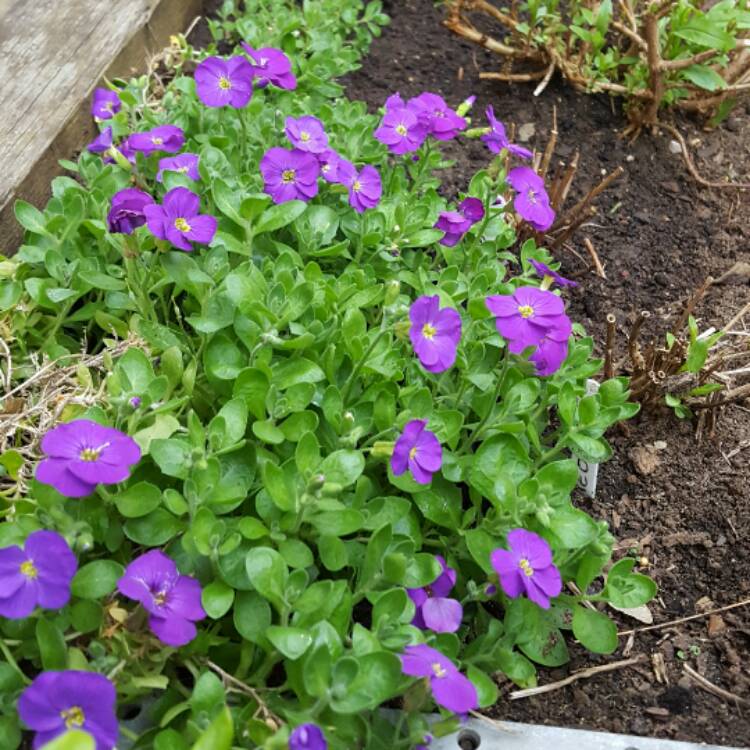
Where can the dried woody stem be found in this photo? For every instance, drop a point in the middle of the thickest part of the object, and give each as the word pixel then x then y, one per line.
pixel 242 687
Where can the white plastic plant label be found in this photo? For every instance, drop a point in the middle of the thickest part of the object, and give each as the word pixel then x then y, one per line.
pixel 588 472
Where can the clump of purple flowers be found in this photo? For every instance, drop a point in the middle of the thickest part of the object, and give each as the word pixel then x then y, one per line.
pixel 435 610
pixel 455 224
pixel 496 139
pixel 57 702
pixel 406 125
pixel 82 454
pixel 126 212
pixel 450 688
pixel 417 450
pixel 533 317
pixel 527 568
pixel 434 333
pixel 178 220
pixel 531 201
pixel 38 575
pixel 173 601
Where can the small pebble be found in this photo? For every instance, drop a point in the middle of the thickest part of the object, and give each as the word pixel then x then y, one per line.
pixel 675 147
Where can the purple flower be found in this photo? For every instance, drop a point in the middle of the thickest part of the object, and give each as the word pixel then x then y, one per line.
pixel 306 134
pixel 307 737
pixel 178 220
pixel 173 601
pixel 426 741
pixel 526 316
pixel 455 224
pixel 418 450
pixel 186 164
pixel 450 688
pixel 401 130
pixel 329 162
pixel 105 104
pixel 497 140
pixel 82 454
pixel 221 83
pixel 443 123
pixel 126 150
pixel 544 270
pixel 59 701
pixel 289 175
pixel 126 212
pixel 38 575
pixel 271 65
pixel 434 333
pixel 102 142
pixel 394 101
pixel 135 401
pixel 527 568
pixel 531 201
pixel 552 350
pixel 168 138
pixel 435 611
pixel 365 187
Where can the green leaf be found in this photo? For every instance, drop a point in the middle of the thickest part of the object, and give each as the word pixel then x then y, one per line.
pixel 278 216
pixel 218 735
pixel 223 358
pixel 481 545
pixel 12 460
pixel 594 630
pixel 252 616
pixel 138 500
pixel 500 465
pixel 626 589
pixel 29 217
pixel 86 616
pixel 51 644
pixel 704 32
pixel 280 486
pixel 75 739
pixel 338 522
pixel 208 694
pixel 291 372
pixel 486 687
pixel 377 679
pixel 421 570
pixel 217 599
pixel 96 579
pixel 573 527
pixel 172 456
pixel 252 386
pixel 292 642
pixel 593 450
pixel 704 77
pixel 307 453
pixel 343 467
pixel 153 530
pixel 268 573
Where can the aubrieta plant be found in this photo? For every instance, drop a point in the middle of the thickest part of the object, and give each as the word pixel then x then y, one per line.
pixel 331 471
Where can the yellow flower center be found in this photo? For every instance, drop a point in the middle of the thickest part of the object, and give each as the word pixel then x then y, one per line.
pixel 224 83
pixel 73 717
pixel 181 225
pixel 183 170
pixel 429 331
pixel 413 453
pixel 525 566
pixel 90 454
pixel 160 599
pixel 439 671
pixel 304 136
pixel 531 195
pixel 401 129
pixel 288 175
pixel 29 569
pixel 325 168
pixel 526 311
pixel 108 107
pixel 357 186
pixel 157 141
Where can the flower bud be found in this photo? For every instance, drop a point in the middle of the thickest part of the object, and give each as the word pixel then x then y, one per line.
pixel 392 290
pixel 476 132
pixel 316 483
pixel 120 159
pixel 382 449
pixel 401 329
pixel 465 105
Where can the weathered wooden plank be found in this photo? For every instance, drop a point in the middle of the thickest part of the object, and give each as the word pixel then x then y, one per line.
pixel 52 54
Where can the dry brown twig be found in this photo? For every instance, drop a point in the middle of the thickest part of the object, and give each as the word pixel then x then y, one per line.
pixel 714 689
pixel 580 675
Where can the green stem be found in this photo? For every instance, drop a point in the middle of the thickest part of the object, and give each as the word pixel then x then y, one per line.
pixel 12 662
pixel 552 452
pixel 477 431
pixel 363 359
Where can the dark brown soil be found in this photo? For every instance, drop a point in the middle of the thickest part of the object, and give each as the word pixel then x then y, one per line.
pixel 659 235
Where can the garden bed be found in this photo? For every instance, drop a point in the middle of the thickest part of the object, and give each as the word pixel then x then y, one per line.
pixel 659 235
